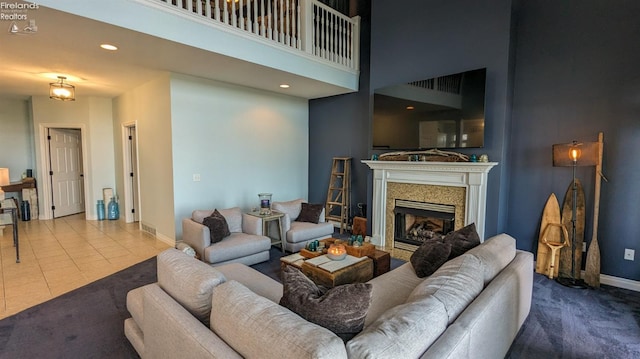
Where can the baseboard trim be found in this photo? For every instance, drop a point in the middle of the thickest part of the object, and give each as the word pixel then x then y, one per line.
pixel 620 282
pixel 165 239
pixel 624 283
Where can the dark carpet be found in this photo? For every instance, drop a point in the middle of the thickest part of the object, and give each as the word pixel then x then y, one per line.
pixel 84 323
pixel 579 323
pixel 88 322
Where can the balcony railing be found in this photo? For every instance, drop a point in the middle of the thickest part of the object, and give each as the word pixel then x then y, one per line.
pixel 305 25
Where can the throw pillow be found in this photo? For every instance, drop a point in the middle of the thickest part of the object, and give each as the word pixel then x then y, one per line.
pixel 462 240
pixel 217 226
pixel 310 212
pixel 429 257
pixel 341 309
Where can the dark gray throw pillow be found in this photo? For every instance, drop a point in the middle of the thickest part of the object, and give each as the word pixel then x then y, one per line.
pixel 462 240
pixel 218 226
pixel 341 309
pixel 429 257
pixel 310 212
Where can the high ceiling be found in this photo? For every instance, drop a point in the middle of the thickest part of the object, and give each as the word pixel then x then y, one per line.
pixel 69 45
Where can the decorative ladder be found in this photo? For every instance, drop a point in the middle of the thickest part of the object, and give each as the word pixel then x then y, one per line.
pixel 338 195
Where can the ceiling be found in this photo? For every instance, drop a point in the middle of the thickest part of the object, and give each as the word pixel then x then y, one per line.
pixel 69 45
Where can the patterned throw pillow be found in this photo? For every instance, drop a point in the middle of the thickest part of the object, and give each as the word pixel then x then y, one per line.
pixel 310 212
pixel 217 226
pixel 341 309
pixel 429 257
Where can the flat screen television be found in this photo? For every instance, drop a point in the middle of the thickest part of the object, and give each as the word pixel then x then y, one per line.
pixel 442 112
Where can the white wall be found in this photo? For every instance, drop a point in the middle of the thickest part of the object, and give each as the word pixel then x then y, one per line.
pixel 16 139
pixel 241 141
pixel 149 106
pixel 94 118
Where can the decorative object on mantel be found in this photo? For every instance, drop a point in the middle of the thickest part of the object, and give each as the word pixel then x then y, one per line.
pixel 592 269
pixel 432 155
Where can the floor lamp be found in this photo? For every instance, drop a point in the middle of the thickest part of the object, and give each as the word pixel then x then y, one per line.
pixel 574 154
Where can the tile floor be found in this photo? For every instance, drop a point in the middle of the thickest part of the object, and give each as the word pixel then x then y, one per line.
pixel 57 256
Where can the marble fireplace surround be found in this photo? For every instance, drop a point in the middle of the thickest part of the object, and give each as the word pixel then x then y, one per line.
pixel 472 176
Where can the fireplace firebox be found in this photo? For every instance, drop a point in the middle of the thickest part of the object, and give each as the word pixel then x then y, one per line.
pixel 416 222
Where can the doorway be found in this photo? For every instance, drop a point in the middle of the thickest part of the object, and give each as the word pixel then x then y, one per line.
pixel 131 185
pixel 66 176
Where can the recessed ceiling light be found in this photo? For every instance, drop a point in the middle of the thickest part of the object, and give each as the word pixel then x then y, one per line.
pixel 410 108
pixel 285 86
pixel 109 47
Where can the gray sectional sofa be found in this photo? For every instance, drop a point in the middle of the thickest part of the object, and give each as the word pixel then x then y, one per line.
pixel 471 307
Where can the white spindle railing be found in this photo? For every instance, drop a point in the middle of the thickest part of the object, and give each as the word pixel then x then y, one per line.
pixel 306 25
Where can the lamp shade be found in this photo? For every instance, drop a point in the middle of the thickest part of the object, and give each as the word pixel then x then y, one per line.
pixel 4 177
pixel 584 153
pixel 61 90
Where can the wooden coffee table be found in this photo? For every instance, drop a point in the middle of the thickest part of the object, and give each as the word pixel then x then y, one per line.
pixel 357 270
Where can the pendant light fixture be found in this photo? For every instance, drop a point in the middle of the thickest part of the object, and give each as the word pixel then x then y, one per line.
pixel 61 90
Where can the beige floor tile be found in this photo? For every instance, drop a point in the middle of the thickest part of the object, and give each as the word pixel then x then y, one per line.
pixel 61 255
pixel 62 264
pixel 83 259
pixel 41 253
pixel 58 289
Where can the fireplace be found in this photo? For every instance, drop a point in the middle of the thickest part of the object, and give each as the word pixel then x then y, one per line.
pixel 416 222
pixel 461 184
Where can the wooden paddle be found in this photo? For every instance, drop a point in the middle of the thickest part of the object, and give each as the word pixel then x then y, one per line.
pixel 592 268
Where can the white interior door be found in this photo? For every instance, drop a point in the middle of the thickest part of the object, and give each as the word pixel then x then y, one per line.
pixel 67 184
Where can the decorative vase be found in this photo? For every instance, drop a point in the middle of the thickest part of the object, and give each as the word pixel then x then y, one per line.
pixel 265 203
pixel 114 211
pixel 100 210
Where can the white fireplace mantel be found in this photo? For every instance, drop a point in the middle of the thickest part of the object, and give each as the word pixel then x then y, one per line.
pixel 470 175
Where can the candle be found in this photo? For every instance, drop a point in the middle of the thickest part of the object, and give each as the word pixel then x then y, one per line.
pixel 337 252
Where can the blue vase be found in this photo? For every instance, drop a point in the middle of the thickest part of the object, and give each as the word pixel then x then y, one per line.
pixel 114 211
pixel 100 210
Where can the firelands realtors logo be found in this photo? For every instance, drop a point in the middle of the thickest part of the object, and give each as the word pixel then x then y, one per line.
pixel 18 14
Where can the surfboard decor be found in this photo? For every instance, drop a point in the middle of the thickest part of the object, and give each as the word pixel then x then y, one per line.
pixel 553 234
pixel 567 216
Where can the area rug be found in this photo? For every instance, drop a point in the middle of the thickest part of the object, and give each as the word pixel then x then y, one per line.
pixel 84 323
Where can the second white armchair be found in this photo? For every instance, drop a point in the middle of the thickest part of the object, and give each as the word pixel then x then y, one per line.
pixel 302 223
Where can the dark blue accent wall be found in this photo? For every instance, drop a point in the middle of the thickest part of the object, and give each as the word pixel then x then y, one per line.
pixel 339 126
pixel 416 40
pixel 578 73
pixel 420 39
pixel 556 71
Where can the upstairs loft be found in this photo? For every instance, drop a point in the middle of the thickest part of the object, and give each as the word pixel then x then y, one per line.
pixel 304 43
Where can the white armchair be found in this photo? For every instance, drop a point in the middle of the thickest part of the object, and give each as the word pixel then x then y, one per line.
pixel 246 244
pixel 297 233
